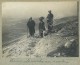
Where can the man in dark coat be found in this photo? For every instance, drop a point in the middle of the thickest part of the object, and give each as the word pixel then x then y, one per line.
pixel 41 26
pixel 50 21
pixel 31 26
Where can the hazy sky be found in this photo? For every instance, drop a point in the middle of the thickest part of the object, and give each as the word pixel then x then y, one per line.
pixel 37 9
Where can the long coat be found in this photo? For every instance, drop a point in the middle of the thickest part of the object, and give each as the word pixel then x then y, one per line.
pixel 50 22
pixel 41 28
pixel 50 18
pixel 31 26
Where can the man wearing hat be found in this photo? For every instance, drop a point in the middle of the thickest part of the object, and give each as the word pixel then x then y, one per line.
pixel 50 21
pixel 41 26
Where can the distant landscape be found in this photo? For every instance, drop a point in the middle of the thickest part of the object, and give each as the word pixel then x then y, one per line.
pixel 12 29
pixel 16 44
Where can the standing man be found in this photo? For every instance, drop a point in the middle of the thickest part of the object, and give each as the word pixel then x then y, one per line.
pixel 41 26
pixel 31 26
pixel 50 21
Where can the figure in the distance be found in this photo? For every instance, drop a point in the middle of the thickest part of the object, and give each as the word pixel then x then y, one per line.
pixel 50 21
pixel 31 26
pixel 41 26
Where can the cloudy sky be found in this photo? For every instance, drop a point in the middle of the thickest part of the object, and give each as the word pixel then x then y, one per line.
pixel 37 9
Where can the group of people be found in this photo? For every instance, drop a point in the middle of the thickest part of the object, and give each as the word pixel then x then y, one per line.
pixel 31 25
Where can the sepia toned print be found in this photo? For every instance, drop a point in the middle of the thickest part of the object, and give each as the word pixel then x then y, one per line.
pixel 40 29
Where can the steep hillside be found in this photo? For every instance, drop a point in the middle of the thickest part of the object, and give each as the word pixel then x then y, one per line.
pixel 63 42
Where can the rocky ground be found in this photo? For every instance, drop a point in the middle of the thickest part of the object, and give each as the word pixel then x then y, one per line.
pixel 63 42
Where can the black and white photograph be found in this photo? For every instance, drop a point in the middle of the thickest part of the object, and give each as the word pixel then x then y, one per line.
pixel 40 29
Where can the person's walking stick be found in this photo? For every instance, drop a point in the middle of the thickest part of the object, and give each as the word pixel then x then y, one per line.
pixel 27 31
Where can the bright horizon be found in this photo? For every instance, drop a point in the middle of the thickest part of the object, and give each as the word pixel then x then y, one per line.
pixel 36 9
